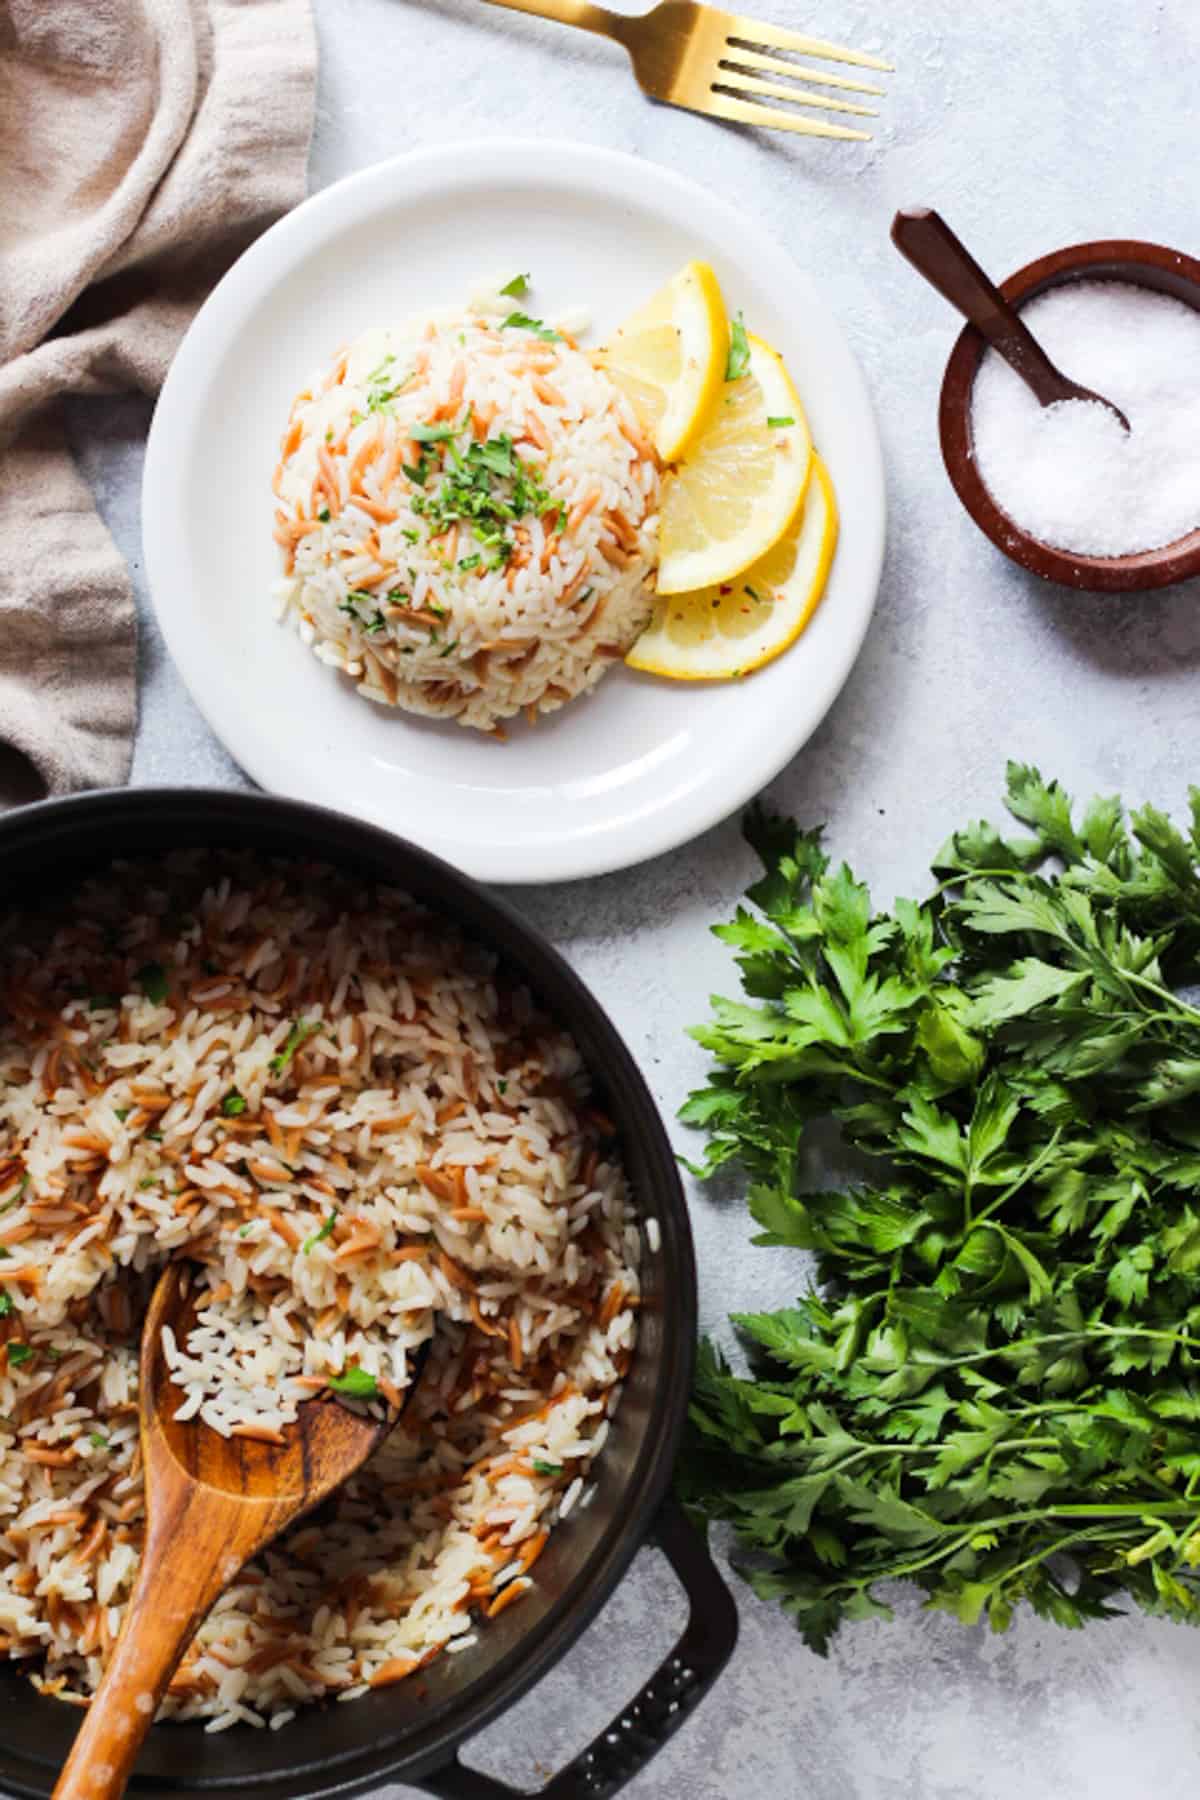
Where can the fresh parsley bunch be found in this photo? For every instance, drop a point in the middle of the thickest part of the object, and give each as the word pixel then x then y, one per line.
pixel 994 1391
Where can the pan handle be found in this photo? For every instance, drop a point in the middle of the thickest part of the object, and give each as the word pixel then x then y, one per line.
pixel 669 1697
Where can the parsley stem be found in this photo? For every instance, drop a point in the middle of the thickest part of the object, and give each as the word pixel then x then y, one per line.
pixel 1153 987
pixel 1056 1547
pixel 964 1532
pixel 1022 1180
pixel 1063 1337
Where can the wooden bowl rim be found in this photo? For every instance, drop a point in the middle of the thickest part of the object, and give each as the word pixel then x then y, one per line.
pixel 1154 266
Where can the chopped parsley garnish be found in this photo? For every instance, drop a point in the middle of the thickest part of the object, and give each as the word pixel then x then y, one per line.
pixel 19 1353
pixel 4 1253
pixel 486 487
pixel 234 1104
pixel 467 563
pixel 355 1382
pixel 97 1440
pixel 545 1468
pixel 122 1112
pixel 323 514
pixel 738 360
pixel 502 1088
pixel 452 645
pixel 431 434
pixel 522 322
pixel 779 423
pixel 318 1237
pixel 753 592
pixel 381 390
pixel 513 290
pixel 243 1231
pixel 6 1305
pixel 148 1181
pixel 350 606
pixel 155 1137
pixel 300 1033
pixel 491 489
pixel 153 978
pixel 413 536
pixel 586 595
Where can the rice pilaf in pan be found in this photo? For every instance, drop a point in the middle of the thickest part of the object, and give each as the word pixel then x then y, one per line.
pixel 366 1135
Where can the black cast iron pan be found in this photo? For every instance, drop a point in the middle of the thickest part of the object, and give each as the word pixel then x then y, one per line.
pixel 402 1733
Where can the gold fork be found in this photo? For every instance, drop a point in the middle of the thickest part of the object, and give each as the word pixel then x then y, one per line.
pixel 715 62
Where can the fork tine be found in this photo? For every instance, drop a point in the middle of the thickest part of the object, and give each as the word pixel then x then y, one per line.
pixel 775 90
pixel 725 106
pixel 779 65
pixel 756 31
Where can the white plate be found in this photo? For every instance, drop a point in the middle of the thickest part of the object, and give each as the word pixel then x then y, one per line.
pixel 640 765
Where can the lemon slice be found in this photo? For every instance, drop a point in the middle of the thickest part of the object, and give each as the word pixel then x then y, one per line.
pixel 670 358
pixel 739 625
pixel 742 485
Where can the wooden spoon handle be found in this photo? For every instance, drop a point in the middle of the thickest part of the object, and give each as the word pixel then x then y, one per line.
pixel 924 237
pixel 171 1597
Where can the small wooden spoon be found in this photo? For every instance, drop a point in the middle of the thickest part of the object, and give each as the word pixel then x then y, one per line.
pixel 943 259
pixel 211 1504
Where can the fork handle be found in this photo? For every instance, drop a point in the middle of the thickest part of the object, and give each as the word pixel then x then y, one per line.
pixel 572 12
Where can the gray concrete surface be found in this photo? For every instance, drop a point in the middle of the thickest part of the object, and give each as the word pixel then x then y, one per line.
pixel 1029 125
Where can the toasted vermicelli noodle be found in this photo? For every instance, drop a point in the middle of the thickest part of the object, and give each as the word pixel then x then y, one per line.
pixel 364 1133
pixel 468 513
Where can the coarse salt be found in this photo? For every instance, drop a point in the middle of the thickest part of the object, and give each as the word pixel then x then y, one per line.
pixel 1069 474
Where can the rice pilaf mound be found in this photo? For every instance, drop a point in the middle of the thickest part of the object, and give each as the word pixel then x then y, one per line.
pixel 364 1133
pixel 468 512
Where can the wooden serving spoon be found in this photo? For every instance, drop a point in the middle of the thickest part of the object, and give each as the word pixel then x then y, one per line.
pixel 211 1504
pixel 924 237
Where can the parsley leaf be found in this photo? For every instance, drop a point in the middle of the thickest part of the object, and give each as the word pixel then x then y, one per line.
pixel 318 1237
pixel 233 1105
pixel 355 1382
pixel 514 289
pixel 997 1364
pixel 153 978
pixel 523 322
pixel 738 360
pixel 300 1033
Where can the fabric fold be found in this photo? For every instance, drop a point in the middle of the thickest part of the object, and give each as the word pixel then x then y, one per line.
pixel 143 145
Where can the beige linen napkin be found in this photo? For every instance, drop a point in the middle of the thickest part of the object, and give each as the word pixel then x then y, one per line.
pixel 143 144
